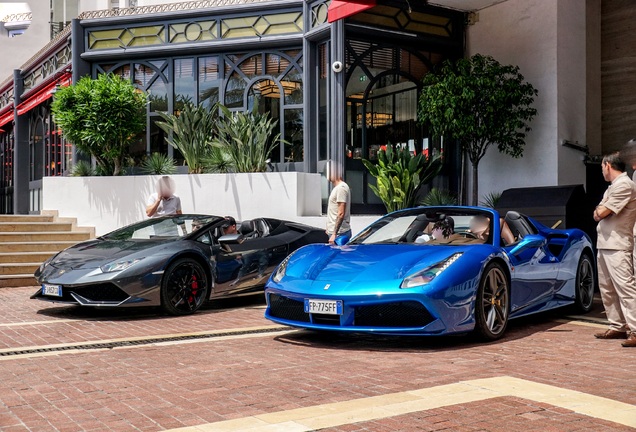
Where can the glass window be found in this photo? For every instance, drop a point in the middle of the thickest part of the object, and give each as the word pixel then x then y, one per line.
pixel 184 82
pixel 158 96
pixel 323 69
pixel 123 71
pixel 143 75
pixel 158 143
pixel 294 135
pixel 293 87
pixel 234 91
pixel 209 81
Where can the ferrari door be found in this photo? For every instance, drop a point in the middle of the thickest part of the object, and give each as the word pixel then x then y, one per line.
pixel 535 273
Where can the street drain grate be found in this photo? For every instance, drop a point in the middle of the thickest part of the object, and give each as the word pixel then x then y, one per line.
pixel 137 342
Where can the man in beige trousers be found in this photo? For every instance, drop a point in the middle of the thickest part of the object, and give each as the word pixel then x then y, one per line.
pixel 616 215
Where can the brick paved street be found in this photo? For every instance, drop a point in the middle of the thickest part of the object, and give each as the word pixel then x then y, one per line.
pixel 207 381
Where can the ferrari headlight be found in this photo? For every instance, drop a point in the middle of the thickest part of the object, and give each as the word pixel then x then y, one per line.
pixel 425 276
pixel 119 265
pixel 281 270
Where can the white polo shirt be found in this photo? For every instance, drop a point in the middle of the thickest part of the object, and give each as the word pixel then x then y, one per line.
pixel 167 207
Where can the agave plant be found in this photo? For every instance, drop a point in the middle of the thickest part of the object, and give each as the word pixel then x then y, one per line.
pixel 246 139
pixel 82 168
pixel 191 133
pixel 400 176
pixel 218 161
pixel 158 164
pixel 491 199
pixel 439 197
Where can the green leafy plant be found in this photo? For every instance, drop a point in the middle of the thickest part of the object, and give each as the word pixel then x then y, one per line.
pixel 439 197
pixel 191 131
pixel 101 117
pixel 158 164
pixel 82 168
pixel 400 176
pixel 491 199
pixel 247 139
pixel 480 103
pixel 218 161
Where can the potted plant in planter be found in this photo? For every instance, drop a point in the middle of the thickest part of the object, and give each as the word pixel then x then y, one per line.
pixel 400 175
pixel 102 117
pixel 246 139
pixel 191 132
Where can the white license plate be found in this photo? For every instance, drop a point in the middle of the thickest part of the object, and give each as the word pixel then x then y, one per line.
pixel 52 290
pixel 326 307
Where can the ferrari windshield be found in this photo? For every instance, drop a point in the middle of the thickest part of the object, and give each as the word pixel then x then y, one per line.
pixel 163 227
pixel 430 226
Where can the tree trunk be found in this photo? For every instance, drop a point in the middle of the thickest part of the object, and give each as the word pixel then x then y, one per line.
pixel 475 197
pixel 117 169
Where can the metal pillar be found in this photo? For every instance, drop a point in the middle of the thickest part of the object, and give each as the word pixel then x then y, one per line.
pixel 21 157
pixel 337 127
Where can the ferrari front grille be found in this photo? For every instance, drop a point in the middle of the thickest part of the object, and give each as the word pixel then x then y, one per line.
pixel 287 309
pixel 400 314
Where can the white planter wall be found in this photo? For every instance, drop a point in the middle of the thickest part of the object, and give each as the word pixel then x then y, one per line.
pixel 108 203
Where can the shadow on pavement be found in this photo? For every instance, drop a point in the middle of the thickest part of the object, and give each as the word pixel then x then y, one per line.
pixel 517 329
pixel 254 301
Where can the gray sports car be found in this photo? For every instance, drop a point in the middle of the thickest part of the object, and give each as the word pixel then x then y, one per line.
pixel 177 262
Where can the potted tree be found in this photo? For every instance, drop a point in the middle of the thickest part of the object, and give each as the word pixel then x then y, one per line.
pixel 480 103
pixel 102 117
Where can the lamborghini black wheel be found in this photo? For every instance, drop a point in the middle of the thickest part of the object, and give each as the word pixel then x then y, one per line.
pixel 184 288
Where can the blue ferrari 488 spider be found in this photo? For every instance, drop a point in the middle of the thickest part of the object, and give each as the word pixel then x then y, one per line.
pixel 434 271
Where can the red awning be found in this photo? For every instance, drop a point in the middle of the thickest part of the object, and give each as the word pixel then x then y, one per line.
pixel 6 117
pixel 43 94
pixel 340 9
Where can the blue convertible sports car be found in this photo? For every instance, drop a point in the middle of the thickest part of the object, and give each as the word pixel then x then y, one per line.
pixel 434 271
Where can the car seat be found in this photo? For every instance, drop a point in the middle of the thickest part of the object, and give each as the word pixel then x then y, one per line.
pixel 261 226
pixel 518 225
pixel 248 229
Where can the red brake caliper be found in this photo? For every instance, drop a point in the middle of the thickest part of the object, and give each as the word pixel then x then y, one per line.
pixel 194 287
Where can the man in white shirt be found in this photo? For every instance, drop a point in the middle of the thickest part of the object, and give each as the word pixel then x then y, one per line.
pixel 163 202
pixel 338 208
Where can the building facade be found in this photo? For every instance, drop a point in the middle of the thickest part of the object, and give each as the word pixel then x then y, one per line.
pixel 341 77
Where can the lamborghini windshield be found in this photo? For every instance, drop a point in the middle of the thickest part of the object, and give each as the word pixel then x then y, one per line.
pixel 430 226
pixel 162 227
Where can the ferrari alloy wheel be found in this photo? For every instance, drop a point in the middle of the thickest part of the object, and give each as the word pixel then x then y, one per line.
pixel 584 284
pixel 492 306
pixel 184 288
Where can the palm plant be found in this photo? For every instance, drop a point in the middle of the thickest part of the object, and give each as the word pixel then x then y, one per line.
pixel 439 197
pixel 82 168
pixel 218 161
pixel 491 200
pixel 247 139
pixel 400 176
pixel 158 164
pixel 191 133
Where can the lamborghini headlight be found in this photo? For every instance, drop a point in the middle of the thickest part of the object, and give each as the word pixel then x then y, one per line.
pixel 426 276
pixel 119 265
pixel 281 270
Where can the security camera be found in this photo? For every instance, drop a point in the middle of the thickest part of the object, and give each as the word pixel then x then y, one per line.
pixel 337 66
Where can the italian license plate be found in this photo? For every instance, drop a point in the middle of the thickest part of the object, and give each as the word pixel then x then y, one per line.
pixel 52 290
pixel 326 307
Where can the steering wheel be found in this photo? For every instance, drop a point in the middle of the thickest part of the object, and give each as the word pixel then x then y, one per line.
pixel 468 234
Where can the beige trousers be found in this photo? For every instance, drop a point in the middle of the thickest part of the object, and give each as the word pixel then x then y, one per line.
pixel 618 288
